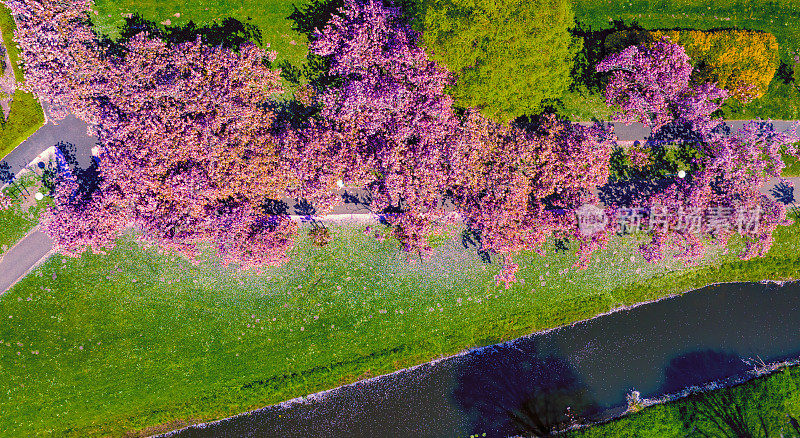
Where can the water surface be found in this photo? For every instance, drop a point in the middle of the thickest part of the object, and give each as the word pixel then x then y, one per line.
pixel 580 370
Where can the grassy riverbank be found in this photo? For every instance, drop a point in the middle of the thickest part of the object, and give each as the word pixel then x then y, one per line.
pixel 769 398
pixel 140 341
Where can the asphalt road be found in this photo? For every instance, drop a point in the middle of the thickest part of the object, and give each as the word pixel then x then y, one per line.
pixel 71 130
pixel 23 257
pixel 638 131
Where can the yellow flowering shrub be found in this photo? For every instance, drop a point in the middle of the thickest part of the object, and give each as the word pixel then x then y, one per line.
pixel 740 61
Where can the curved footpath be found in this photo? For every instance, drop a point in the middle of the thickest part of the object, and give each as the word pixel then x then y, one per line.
pixel 36 246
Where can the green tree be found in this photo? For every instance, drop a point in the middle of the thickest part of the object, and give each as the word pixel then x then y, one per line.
pixel 508 55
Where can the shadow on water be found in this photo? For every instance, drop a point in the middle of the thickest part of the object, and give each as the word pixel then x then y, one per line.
pixel 526 392
pixel 700 367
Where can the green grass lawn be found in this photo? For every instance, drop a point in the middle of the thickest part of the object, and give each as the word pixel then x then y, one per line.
pixel 17 220
pixel 269 15
pixel 140 341
pixel 582 104
pixel 780 102
pixel 792 166
pixel 778 395
pixel 782 19
pixel 25 114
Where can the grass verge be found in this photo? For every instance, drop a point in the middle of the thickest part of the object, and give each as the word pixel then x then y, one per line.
pixel 792 168
pixel 25 115
pixel 136 340
pixel 270 16
pixel 23 214
pixel 769 398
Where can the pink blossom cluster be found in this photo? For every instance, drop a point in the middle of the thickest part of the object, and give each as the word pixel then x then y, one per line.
pixel 5 201
pixel 387 127
pixel 650 84
pixel 520 189
pixel 733 170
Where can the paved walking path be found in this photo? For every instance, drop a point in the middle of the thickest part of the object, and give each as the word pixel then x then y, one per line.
pixel 637 131
pixel 71 130
pixel 37 246
pixel 23 257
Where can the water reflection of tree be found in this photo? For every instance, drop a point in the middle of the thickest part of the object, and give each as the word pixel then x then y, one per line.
pixel 547 411
pixel 700 367
pixel 508 390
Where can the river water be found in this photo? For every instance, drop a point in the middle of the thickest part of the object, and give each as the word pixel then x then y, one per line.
pixel 583 369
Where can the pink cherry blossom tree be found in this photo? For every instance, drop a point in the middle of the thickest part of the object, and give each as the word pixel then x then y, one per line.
pixel 187 150
pixel 723 198
pixel 520 189
pixel 385 127
pixel 650 84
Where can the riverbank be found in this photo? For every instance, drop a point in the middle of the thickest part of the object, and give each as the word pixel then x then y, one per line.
pixel 770 397
pixel 658 349
pixel 166 343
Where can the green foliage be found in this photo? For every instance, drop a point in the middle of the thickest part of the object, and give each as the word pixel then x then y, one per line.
pixel 508 56
pixel 25 115
pixel 733 59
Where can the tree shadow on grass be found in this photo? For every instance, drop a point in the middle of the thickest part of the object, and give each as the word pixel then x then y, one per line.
pixel 228 33
pixel 746 410
pixel 597 44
